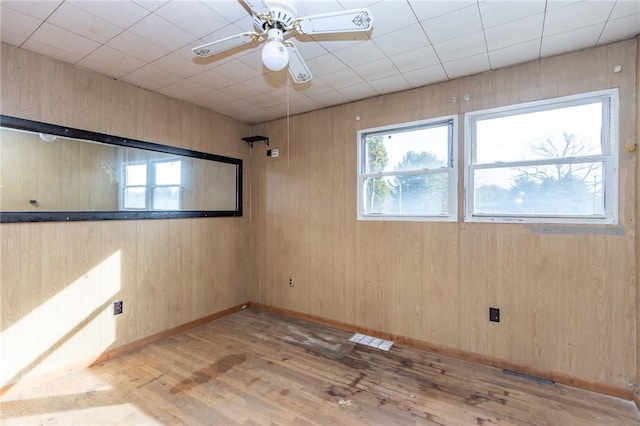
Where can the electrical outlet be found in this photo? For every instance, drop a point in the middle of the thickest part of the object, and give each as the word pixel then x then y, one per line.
pixel 117 307
pixel 290 282
pixel 494 314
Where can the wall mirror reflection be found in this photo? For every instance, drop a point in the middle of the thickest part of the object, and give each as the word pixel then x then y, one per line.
pixel 53 173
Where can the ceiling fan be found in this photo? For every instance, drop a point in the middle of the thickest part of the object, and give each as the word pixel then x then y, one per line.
pixel 276 19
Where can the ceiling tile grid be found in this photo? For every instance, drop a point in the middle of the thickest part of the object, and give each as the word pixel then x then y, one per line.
pixel 412 43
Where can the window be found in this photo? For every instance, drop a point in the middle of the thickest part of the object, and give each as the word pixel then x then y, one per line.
pixel 548 161
pixel 151 185
pixel 408 172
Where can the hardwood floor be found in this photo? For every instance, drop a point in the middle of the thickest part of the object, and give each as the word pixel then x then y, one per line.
pixel 255 367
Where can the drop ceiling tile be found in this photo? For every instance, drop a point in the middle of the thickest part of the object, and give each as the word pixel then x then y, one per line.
pixel 237 70
pixel 178 65
pixel 121 13
pixel 515 32
pixel 308 47
pixel 357 4
pixel 263 100
pixel 212 79
pixel 151 5
pixel 461 47
pixel 111 62
pixel 425 76
pixel 403 40
pixel 390 85
pixel 576 16
pixel 558 4
pixel 240 90
pixel 430 9
pixel 313 7
pixel 151 77
pixel 620 29
pixel 416 59
pixel 331 98
pixel 376 70
pixel 133 45
pixel 500 12
pixel 238 106
pixel 160 32
pixel 325 64
pixel 624 8
pixel 359 54
pixel 569 41
pixel 389 16
pixel 11 38
pixel 344 78
pixel 304 105
pixel 315 87
pixel 16 27
pixel 192 17
pixel 358 91
pixel 467 66
pixel 232 11
pixel 35 9
pixel 334 42
pixel 183 89
pixel 256 117
pixel 453 24
pixel 83 23
pixel 213 99
pixel 60 44
pixel 516 54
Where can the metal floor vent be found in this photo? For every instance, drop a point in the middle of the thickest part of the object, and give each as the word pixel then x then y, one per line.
pixel 372 342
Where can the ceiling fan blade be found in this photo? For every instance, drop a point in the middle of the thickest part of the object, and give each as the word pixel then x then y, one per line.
pixel 297 67
pixel 258 7
pixel 335 22
pixel 221 45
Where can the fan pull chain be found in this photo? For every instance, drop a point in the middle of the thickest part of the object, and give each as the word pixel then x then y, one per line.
pixel 288 139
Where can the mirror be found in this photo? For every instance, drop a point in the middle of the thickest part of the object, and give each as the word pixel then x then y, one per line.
pixel 54 173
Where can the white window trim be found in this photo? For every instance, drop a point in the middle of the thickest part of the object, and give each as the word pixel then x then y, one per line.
pixel 611 160
pixel 149 187
pixel 451 171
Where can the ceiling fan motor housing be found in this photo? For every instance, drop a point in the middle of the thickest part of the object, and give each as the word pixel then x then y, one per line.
pixel 283 13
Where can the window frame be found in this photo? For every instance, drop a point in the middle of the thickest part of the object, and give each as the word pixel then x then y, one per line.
pixel 150 183
pixel 609 158
pixel 451 121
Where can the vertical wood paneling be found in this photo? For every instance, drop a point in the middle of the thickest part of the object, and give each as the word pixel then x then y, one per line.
pixel 637 211
pixel 567 300
pixel 59 280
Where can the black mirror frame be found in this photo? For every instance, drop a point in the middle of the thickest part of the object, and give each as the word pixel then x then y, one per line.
pixel 68 216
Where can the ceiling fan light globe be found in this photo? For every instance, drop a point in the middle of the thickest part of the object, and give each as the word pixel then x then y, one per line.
pixel 275 55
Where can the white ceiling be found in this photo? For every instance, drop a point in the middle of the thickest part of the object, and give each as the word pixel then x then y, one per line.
pixel 413 43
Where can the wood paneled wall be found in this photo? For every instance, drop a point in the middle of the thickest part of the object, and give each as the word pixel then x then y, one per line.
pixel 637 141
pixel 58 281
pixel 567 299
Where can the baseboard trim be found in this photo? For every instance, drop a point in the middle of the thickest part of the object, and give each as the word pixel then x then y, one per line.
pixel 121 350
pixel 557 377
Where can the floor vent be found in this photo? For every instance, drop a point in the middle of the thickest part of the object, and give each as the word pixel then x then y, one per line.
pixel 529 377
pixel 372 342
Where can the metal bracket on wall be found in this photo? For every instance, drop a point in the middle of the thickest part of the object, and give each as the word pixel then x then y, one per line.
pixel 251 139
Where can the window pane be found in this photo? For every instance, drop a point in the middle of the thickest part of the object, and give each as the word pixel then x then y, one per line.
pixel 166 198
pixel 136 174
pixel 167 173
pixel 558 133
pixel 559 189
pixel 414 149
pixel 134 198
pixel 419 194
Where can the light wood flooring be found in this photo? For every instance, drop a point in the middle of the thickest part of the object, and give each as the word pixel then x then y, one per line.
pixel 255 367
